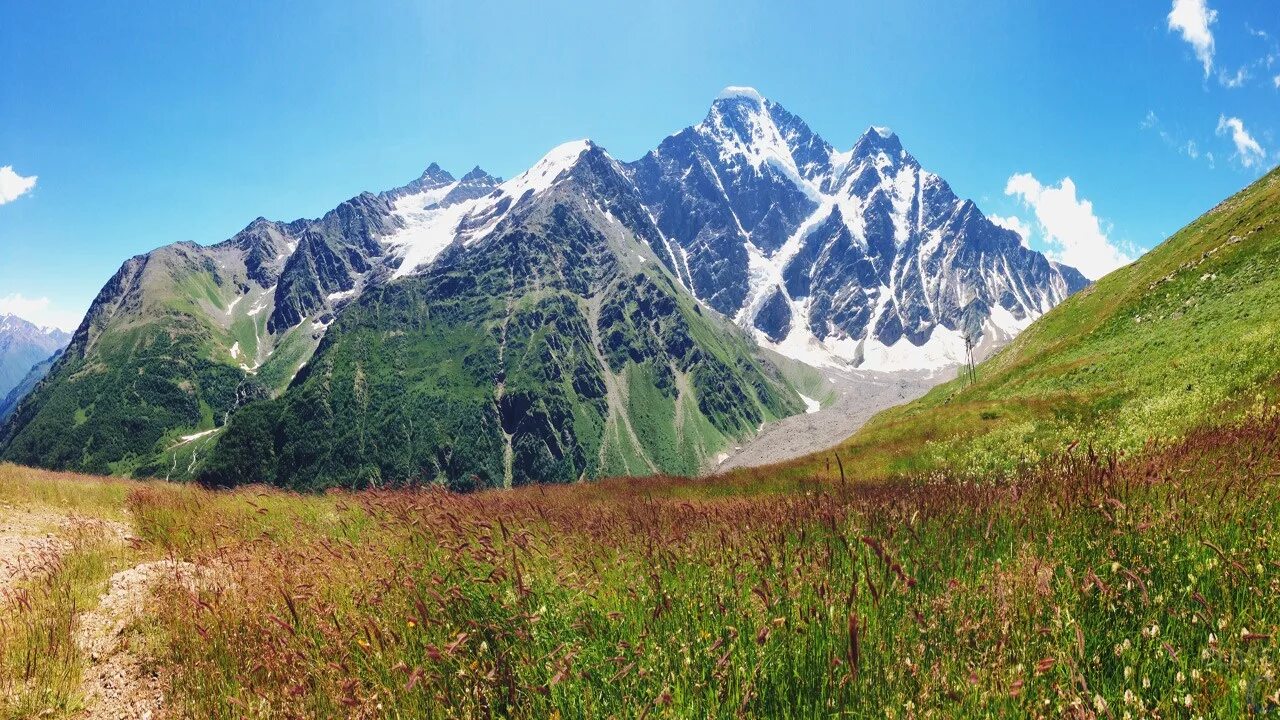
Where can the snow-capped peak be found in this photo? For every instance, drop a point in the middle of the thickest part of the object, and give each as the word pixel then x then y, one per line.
pixel 882 131
pixel 436 217
pixel 737 92
pixel 545 172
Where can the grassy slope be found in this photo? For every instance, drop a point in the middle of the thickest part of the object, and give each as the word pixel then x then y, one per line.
pixel 1183 337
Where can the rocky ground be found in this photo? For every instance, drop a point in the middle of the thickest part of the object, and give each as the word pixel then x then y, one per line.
pixel 858 396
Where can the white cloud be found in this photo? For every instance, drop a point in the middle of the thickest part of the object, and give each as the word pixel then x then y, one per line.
pixel 1192 19
pixel 1016 224
pixel 1276 80
pixel 1248 150
pixel 13 185
pixel 1073 234
pixel 39 311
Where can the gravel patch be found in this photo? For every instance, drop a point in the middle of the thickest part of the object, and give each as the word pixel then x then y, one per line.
pixel 859 396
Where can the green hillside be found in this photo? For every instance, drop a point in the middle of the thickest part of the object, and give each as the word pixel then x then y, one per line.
pixel 1186 336
pixel 174 342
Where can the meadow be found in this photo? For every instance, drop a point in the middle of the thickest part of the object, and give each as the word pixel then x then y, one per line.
pixel 1083 586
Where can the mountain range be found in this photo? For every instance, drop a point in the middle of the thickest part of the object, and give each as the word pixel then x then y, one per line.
pixel 26 352
pixel 588 317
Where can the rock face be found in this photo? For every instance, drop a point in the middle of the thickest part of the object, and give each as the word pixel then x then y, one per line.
pixel 586 317
pixel 859 257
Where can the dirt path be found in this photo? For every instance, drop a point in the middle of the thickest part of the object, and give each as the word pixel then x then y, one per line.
pixel 859 396
pixel 117 683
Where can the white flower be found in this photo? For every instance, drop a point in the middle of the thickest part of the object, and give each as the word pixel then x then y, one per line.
pixel 1186 700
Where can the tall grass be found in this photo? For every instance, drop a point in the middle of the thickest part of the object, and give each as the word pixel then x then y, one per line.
pixel 1084 586
pixel 40 663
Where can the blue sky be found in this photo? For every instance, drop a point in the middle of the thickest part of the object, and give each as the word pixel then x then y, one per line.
pixel 1100 127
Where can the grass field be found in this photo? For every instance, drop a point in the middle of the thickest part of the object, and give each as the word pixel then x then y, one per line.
pixel 1087 587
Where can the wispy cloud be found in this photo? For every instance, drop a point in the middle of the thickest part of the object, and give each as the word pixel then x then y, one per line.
pixel 13 185
pixel 1248 151
pixel 1192 18
pixel 1173 140
pixel 1072 232
pixel 1233 80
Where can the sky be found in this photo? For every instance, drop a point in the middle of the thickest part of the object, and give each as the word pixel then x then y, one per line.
pixel 1094 128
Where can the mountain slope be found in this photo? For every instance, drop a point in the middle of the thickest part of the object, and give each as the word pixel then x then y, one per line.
pixel 24 387
pixel 554 349
pixel 1184 337
pixel 858 258
pixel 22 346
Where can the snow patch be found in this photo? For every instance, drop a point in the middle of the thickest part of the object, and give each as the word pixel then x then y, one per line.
pixel 810 405
pixel 195 436
pixel 235 350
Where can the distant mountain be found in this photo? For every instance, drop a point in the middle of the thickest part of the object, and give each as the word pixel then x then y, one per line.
pixel 10 401
pixel 860 257
pixel 574 321
pixel 23 344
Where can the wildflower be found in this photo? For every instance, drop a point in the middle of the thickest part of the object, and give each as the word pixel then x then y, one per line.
pixel 411 623
pixel 1099 703
pixel 1179 677
pixel 1146 683
pixel 1186 700
pixel 1128 697
pixel 1128 671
